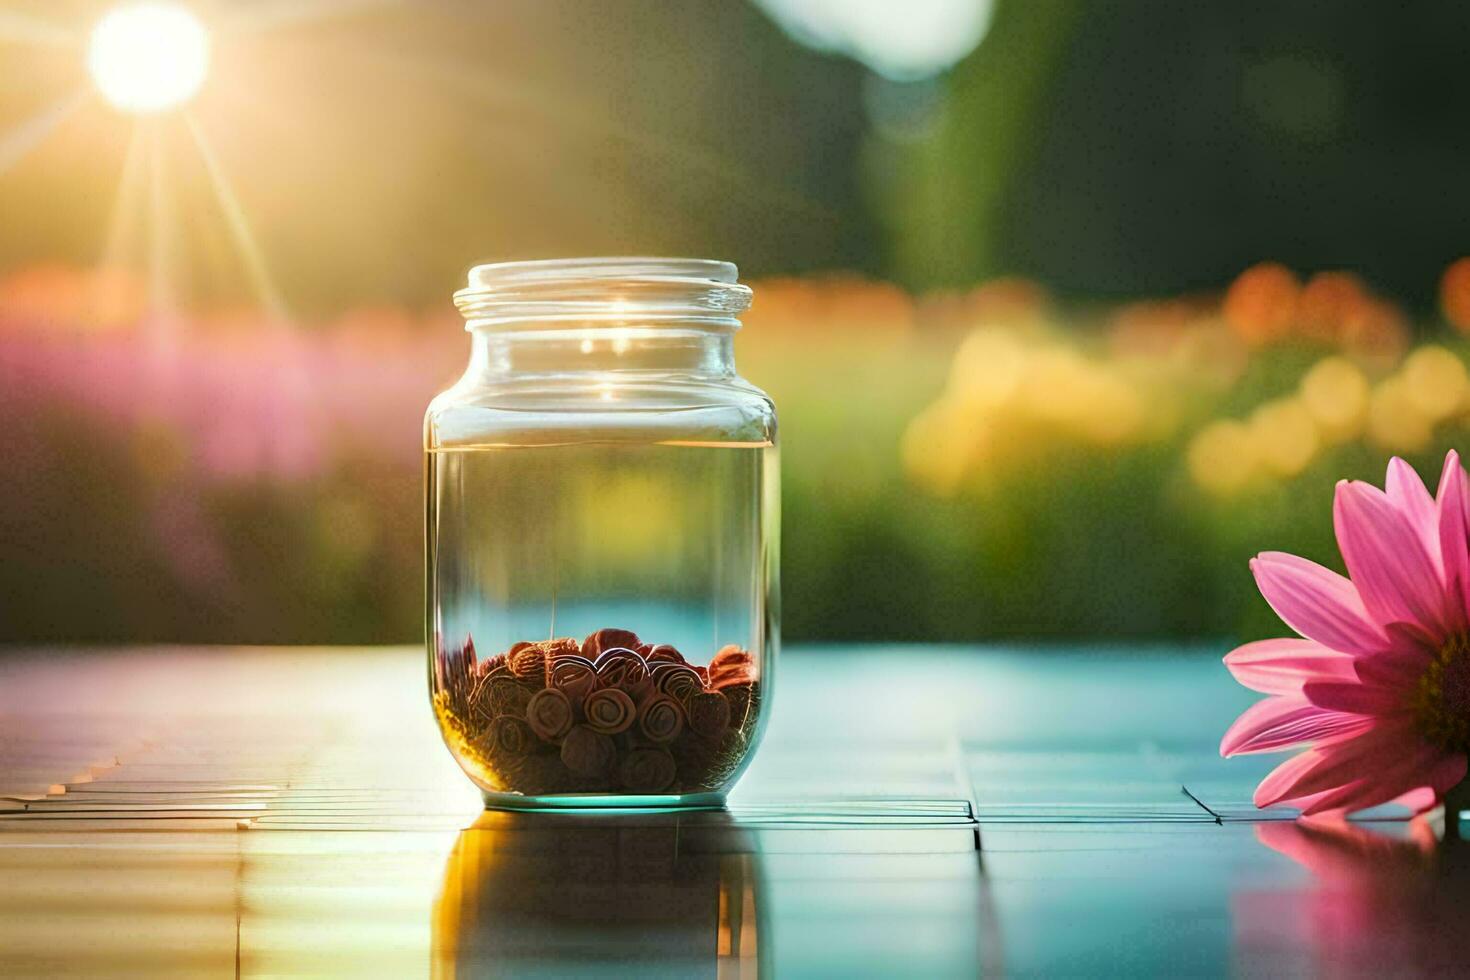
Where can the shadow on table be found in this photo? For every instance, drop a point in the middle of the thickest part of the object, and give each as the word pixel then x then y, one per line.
pixel 633 894
pixel 1383 900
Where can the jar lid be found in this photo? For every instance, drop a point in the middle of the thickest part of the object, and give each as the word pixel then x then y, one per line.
pixel 615 290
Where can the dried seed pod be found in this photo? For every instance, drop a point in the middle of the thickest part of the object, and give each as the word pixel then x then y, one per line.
pixel 660 718
pixel 679 681
pixel 492 665
pixel 663 653
pixel 512 736
pixel 609 710
pixel 508 696
pixel 692 752
pixel 623 668
pixel 731 665
pixel 709 713
pixel 574 676
pixel 481 707
pixel 527 661
pixel 542 773
pixel 549 714
pixel 607 639
pixel 646 770
pixel 587 753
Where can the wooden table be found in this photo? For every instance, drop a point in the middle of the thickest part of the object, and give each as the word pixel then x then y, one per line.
pixel 917 811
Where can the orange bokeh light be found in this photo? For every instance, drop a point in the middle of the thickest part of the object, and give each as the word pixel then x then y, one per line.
pixel 1454 294
pixel 1261 304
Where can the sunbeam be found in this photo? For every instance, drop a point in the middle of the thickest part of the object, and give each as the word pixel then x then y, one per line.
pixel 161 293
pixel 29 134
pixel 121 228
pixel 125 204
pixel 250 251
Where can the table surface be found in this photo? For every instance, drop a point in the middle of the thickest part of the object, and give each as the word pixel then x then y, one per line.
pixel 919 811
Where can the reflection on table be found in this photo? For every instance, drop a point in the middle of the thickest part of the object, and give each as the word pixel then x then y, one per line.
pixel 649 895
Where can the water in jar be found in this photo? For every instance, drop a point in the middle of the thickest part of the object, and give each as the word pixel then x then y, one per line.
pixel 598 612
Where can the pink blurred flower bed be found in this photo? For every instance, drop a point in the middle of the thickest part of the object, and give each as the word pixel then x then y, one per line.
pixel 244 398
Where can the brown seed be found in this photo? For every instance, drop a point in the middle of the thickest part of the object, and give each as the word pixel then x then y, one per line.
pixel 624 668
pixel 607 639
pixel 586 752
pixel 731 665
pixel 609 710
pixel 574 676
pixel 560 647
pixel 549 714
pixel 512 735
pixel 664 653
pixel 679 681
pixel 647 770
pixel 508 696
pixel 527 661
pixel 660 718
pixel 709 713
pixel 492 665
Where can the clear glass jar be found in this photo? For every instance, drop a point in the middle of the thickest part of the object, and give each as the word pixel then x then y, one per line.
pixel 602 537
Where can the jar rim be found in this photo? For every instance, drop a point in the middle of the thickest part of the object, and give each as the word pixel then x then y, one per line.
pixel 494 274
pixel 607 289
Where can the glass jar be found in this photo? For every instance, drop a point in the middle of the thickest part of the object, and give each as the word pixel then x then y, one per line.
pixel 602 537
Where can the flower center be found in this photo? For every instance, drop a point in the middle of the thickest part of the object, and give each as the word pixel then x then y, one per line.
pixel 1442 700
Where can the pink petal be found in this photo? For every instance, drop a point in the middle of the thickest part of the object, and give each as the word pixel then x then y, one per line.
pixel 1386 559
pixel 1382 750
pixel 1360 794
pixel 1355 697
pixel 1448 773
pixel 1282 666
pixel 1316 602
pixel 1418 800
pixel 1406 491
pixel 1454 546
pixel 1398 671
pixel 1280 780
pixel 1280 722
pixel 1380 786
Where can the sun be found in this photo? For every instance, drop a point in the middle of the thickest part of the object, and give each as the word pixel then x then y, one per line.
pixel 148 57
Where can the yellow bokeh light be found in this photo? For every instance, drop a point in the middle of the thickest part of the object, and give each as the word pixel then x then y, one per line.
pixel 1335 393
pixel 1435 380
pixel 1395 422
pixel 1285 436
pixel 1222 457
pixel 148 57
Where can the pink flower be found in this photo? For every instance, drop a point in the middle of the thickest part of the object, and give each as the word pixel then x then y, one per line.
pixel 1378 691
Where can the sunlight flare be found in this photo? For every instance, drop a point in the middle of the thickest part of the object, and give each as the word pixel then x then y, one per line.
pixel 148 57
pixel 249 248
pixel 24 138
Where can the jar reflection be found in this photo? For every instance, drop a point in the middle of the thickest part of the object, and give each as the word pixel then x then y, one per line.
pixel 552 894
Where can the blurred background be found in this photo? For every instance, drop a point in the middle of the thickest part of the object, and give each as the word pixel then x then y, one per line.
pixel 1068 307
